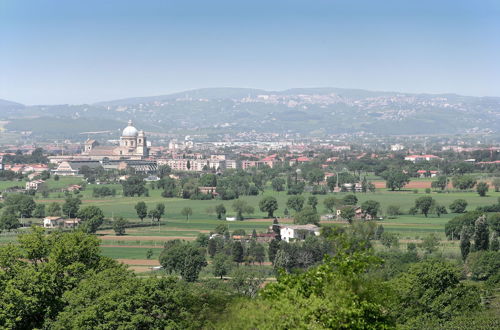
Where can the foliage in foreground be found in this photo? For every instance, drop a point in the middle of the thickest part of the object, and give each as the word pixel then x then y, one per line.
pixel 117 299
pixel 336 294
pixel 60 281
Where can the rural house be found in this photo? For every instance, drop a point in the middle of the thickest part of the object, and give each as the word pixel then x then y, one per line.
pixel 298 232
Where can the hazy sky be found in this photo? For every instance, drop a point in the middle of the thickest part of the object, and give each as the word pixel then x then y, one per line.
pixel 86 51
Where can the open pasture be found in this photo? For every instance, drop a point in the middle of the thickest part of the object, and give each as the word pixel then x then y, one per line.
pixel 138 240
pixel 202 209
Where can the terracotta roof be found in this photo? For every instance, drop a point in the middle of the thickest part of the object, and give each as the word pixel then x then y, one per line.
pixel 102 151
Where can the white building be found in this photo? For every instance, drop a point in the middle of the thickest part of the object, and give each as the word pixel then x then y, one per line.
pixel 217 164
pixel 421 158
pixel 34 185
pixel 298 232
pixel 58 222
pixel 53 222
pixel 133 144
pixel 397 147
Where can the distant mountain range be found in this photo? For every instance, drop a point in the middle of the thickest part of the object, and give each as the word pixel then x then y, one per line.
pixel 311 111
pixel 10 104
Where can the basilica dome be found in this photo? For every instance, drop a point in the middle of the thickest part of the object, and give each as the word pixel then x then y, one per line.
pixel 130 131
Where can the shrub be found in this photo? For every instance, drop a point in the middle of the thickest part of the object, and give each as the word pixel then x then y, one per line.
pixel 483 264
pixel 458 206
pixel 393 211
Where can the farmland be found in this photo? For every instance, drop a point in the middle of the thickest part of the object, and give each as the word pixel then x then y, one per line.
pixel 173 225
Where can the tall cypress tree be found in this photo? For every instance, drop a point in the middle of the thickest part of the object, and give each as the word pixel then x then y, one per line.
pixel 495 244
pixel 237 252
pixel 464 242
pixel 274 246
pixel 481 234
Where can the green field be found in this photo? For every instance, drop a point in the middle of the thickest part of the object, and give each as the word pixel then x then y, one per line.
pixel 124 206
pixel 173 225
pixel 129 253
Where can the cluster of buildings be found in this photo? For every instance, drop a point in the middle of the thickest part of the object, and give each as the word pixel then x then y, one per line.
pixel 25 168
pixel 214 162
pixel 134 150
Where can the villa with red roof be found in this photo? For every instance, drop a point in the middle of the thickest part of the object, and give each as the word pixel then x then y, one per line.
pixel 299 160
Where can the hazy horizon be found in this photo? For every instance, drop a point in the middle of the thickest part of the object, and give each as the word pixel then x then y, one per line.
pixel 238 87
pixel 74 53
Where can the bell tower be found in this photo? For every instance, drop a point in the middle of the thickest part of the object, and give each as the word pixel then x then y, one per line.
pixel 142 147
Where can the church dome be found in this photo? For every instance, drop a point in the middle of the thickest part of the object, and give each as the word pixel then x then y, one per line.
pixel 130 131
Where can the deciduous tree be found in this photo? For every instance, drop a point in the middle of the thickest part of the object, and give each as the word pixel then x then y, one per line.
pixel 141 209
pixel 312 201
pixel 278 184
pixel 71 206
pixel 348 213
pixel 482 188
pixel 458 206
pixel 119 226
pixel 220 210
pixel 187 212
pixel 9 221
pixel 371 208
pixel 396 179
pixel 350 200
pixel 268 204
pixel 241 207
pixel 307 215
pixel 92 217
pixel 296 203
pixel 424 204
pixel 221 265
pixel 54 209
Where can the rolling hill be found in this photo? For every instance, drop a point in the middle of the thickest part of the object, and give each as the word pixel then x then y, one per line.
pixel 310 111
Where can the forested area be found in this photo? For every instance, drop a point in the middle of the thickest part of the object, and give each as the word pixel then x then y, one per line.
pixel 60 280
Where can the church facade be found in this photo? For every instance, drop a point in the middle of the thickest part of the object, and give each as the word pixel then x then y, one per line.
pixel 133 145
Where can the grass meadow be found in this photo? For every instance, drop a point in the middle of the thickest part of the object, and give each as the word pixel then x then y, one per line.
pixel 174 225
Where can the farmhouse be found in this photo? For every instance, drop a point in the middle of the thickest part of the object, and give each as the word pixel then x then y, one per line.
pixel 73 187
pixel 71 223
pixel 34 185
pixel 58 222
pixel 359 214
pixel 426 174
pixel 298 232
pixel 208 190
pixel 357 187
pixel 53 222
